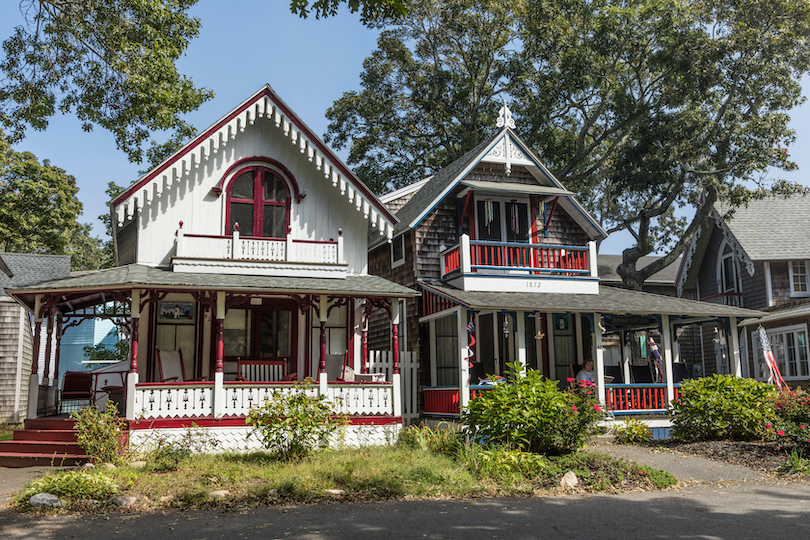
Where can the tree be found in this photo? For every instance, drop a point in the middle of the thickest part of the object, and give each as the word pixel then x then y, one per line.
pixel 110 62
pixel 108 249
pixel 38 203
pixel 429 92
pixel 641 106
pixel 85 251
pixel 370 10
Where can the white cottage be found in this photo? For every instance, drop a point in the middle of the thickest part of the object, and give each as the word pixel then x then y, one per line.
pixel 241 262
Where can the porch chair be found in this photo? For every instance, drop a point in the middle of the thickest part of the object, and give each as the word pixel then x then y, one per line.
pixel 641 374
pixel 76 386
pixel 171 367
pixel 260 370
pixel 679 372
pixel 616 372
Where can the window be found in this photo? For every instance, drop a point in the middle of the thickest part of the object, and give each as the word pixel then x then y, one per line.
pixel 259 201
pixel 398 251
pixel 447 352
pixel 798 278
pixel 513 228
pixel 789 345
pixel 728 273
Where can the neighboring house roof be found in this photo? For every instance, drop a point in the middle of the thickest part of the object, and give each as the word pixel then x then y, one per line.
pixel 607 265
pixel 503 142
pixel 782 312
pixel 135 276
pixel 32 268
pixel 769 229
pixel 263 104
pixel 609 300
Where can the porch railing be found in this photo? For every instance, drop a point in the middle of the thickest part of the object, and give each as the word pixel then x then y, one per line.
pixel 638 398
pixel 198 246
pixel 534 259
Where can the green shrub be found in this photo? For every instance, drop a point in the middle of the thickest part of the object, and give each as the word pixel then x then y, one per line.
pixel 72 485
pixel 167 453
pixel 722 407
pixel 294 424
pixel 658 478
pixel 440 441
pixel 101 434
pixel 505 465
pixel 796 464
pixel 531 414
pixel 633 432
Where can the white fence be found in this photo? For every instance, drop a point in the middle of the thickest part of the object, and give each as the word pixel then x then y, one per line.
pixel 383 362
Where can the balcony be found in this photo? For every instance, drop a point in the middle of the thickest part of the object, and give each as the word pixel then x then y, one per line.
pixel 727 299
pixel 258 256
pixel 475 265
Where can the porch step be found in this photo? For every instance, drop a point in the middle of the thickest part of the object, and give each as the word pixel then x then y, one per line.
pixel 43 441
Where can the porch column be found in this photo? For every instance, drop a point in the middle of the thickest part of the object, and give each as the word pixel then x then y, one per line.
pixel 520 328
pixel 219 375
pixel 33 380
pixel 599 353
pixel 132 376
pixel 364 344
pixel 667 344
pixel 48 380
pixel 736 365
pixel 464 254
pixel 322 315
pixel 463 358
pixel 395 376
pixel 626 358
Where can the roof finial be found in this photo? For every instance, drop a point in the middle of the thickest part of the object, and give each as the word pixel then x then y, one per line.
pixel 505 117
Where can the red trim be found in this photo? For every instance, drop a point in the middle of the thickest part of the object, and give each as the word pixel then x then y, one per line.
pixel 294 119
pixel 261 159
pixel 258 201
pixel 238 421
pixel 550 214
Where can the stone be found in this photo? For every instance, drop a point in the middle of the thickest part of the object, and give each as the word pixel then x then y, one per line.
pixel 219 494
pixel 569 480
pixel 88 465
pixel 272 496
pixel 44 500
pixel 166 498
pixel 108 466
pixel 123 500
pixel 335 491
pixel 138 464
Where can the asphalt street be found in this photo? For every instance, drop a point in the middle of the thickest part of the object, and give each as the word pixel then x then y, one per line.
pixel 759 509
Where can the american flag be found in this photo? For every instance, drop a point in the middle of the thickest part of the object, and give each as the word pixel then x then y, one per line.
pixel 770 361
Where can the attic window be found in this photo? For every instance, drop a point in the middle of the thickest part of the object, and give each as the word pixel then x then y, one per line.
pixel 259 201
pixel 398 251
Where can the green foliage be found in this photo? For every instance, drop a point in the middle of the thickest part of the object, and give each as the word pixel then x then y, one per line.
pixel 439 441
pixel 370 10
pixel 166 453
pixel 100 434
pixel 633 432
pixel 38 203
pixel 295 423
pixel 98 352
pixel 796 463
pixel 506 465
pixel 791 421
pixel 72 485
pixel 658 478
pixel 110 62
pixel 530 413
pixel 85 251
pixel 722 407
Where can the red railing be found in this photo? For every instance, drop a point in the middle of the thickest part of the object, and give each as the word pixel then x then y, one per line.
pixel 638 397
pixel 444 400
pixel 569 260
pixel 452 259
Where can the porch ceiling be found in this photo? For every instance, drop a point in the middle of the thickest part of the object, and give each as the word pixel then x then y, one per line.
pixel 609 300
pixel 137 276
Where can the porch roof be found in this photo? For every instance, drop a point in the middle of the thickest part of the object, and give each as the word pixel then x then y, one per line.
pixel 138 276
pixel 793 310
pixel 609 300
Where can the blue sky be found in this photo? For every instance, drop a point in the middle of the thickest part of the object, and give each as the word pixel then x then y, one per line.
pixel 243 45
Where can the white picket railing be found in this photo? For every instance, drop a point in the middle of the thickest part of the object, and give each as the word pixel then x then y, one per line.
pixel 173 401
pixel 383 362
pixel 363 400
pixel 241 397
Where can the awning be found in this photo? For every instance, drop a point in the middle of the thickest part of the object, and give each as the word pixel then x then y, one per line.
pixel 524 189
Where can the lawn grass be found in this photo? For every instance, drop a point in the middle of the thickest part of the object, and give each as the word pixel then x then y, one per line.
pixel 366 474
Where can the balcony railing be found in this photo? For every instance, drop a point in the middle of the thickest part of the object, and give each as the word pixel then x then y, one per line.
pixel 475 256
pixel 199 246
pixel 727 299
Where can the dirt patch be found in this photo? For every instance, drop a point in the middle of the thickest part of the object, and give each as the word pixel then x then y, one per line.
pixel 764 457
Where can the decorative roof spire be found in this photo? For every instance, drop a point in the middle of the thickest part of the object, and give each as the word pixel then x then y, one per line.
pixel 505 117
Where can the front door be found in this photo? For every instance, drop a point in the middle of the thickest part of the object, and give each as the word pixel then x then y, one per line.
pixel 276 337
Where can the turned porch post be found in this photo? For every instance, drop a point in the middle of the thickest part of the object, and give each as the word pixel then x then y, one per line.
pixel 33 380
pixel 219 375
pixel 322 315
pixel 132 376
pixel 395 376
pixel 666 337
pixel 364 344
pixel 599 357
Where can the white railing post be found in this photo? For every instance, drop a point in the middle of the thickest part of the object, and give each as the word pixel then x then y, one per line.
pixel 600 357
pixel 734 338
pixel 340 247
pixel 667 339
pixel 464 254
pixel 290 256
pixel 235 241
pixel 592 259
pixel 180 244
pixel 442 269
pixel 463 358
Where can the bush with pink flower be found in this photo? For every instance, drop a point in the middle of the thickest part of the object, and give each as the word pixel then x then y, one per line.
pixel 792 418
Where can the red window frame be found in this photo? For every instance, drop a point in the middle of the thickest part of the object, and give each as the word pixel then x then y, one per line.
pixel 258 202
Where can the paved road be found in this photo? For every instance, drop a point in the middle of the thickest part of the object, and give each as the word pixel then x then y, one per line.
pixel 737 511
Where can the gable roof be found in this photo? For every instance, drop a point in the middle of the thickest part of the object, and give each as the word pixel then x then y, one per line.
pixel 32 268
pixel 504 143
pixel 264 104
pixel 607 270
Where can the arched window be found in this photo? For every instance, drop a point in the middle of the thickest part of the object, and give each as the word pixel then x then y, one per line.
pixel 728 270
pixel 259 201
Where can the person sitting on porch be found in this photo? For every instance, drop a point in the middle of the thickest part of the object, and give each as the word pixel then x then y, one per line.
pixel 586 373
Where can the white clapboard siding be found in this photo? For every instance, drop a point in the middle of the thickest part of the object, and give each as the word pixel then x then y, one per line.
pixel 383 362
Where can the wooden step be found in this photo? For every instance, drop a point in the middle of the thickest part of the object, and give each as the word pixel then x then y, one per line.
pixel 66 435
pixel 50 423
pixel 40 447
pixel 22 459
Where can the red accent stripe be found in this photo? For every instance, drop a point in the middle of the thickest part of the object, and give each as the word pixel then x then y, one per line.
pixel 237 421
